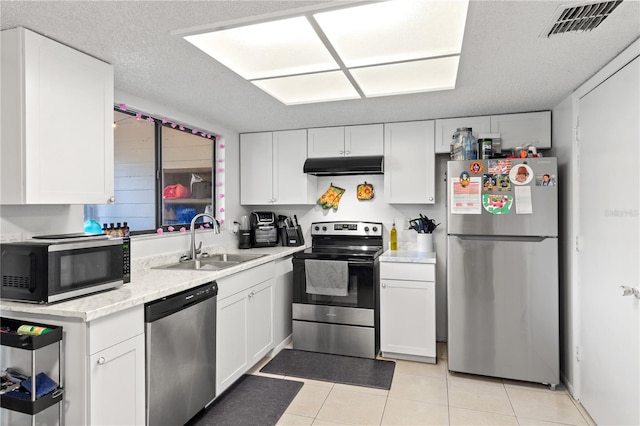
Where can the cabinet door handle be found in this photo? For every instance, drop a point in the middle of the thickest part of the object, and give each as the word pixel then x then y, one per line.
pixel 384 285
pixel 112 199
pixel 101 360
pixel 347 152
pixel 341 152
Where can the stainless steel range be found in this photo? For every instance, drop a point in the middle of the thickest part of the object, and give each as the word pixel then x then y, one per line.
pixel 336 290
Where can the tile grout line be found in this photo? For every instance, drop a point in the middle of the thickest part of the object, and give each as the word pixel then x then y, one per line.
pixel 333 385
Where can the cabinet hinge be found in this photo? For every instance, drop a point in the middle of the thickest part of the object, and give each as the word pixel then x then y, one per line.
pixel 578 243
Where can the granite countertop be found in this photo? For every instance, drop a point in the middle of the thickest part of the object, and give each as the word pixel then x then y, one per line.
pixel 146 285
pixel 408 256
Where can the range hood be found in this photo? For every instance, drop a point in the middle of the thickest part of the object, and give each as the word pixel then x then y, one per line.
pixel 335 166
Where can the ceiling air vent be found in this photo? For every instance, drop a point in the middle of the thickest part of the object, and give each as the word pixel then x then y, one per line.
pixel 583 17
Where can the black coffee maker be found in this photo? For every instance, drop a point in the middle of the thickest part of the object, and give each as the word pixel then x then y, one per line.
pixel 245 234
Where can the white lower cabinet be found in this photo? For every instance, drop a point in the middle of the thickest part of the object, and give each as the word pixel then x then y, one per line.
pixel 117 377
pixel 117 369
pixel 408 311
pixel 260 321
pixel 244 332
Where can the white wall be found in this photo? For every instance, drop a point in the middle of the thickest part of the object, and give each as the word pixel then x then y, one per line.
pixel 20 222
pixel 376 210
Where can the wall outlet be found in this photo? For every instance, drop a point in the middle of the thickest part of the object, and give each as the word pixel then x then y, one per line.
pixel 10 238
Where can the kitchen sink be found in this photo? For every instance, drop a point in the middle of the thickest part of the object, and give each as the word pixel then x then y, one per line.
pixel 231 257
pixel 213 262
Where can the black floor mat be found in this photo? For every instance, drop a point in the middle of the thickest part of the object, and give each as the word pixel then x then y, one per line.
pixel 252 400
pixel 373 373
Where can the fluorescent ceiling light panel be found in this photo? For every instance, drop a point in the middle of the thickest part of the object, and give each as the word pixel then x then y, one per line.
pixel 309 88
pixel 408 77
pixel 389 47
pixel 270 49
pixel 394 31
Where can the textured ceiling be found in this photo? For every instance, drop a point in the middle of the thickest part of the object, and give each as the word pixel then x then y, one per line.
pixel 505 66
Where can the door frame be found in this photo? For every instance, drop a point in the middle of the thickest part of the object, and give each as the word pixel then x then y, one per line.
pixel 625 57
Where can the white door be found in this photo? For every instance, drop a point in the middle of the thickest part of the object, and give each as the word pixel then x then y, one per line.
pixel 609 187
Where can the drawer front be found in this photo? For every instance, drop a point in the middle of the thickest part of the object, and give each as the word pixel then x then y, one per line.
pixel 110 330
pixel 241 281
pixel 408 271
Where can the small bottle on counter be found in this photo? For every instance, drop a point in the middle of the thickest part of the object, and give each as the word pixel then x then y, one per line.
pixel 393 237
pixel 33 330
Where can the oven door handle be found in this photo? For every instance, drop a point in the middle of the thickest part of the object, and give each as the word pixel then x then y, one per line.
pixel 358 262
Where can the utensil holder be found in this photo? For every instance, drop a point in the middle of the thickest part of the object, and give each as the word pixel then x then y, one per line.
pixel 424 242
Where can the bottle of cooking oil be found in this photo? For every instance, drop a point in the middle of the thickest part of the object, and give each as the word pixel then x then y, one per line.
pixel 393 237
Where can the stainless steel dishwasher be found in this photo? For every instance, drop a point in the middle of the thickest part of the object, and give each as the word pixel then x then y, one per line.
pixel 180 333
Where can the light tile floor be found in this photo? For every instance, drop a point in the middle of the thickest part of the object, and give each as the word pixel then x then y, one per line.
pixel 427 394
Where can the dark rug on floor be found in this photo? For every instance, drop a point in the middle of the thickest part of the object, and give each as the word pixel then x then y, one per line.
pixel 373 373
pixel 252 400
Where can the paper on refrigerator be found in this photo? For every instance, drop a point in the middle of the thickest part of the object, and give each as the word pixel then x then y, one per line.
pixel 466 197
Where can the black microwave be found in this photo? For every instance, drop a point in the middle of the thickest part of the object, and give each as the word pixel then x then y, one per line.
pixel 53 271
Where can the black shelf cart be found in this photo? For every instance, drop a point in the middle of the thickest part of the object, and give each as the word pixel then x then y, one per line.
pixel 10 337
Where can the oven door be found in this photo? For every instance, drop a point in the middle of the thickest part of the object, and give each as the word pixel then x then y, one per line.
pixel 363 276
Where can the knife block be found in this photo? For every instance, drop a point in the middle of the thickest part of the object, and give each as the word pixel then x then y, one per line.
pixel 292 236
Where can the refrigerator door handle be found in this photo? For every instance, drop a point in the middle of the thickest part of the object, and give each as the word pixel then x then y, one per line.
pixel 501 238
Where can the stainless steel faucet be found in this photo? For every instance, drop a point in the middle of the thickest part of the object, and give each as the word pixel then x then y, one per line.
pixel 216 229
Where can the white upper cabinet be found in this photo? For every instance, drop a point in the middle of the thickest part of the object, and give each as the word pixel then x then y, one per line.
pixel 364 140
pixel 57 123
pixel 346 141
pixel 516 130
pixel 325 142
pixel 520 130
pixel 445 128
pixel 409 163
pixel 271 169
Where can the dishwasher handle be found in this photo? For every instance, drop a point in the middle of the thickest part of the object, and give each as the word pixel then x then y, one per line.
pixel 168 305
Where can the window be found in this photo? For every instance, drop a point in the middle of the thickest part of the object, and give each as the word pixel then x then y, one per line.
pixel 163 174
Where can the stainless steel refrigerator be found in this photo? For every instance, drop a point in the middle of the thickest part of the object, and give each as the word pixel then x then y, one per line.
pixel 502 268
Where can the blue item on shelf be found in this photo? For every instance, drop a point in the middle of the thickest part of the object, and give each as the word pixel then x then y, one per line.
pixel 185 214
pixel 44 385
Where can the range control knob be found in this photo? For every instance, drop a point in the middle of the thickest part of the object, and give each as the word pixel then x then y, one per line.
pixel 366 229
pixel 375 229
pixel 317 228
pixel 324 228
